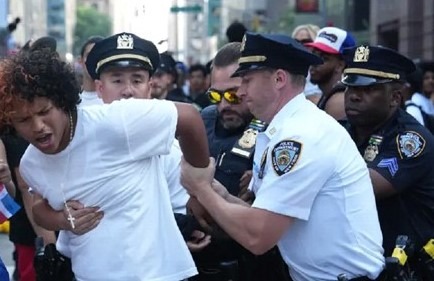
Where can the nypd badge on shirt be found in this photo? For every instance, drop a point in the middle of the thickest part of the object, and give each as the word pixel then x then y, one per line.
pixel 285 155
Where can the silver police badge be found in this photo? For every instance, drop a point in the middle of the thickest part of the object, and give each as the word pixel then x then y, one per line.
pixel 125 41
pixel 372 150
pixel 285 155
pixel 410 144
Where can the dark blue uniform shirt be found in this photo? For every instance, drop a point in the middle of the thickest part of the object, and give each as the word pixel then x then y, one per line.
pixel 405 158
pixel 229 167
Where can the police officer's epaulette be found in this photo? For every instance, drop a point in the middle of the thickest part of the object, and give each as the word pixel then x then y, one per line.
pixel 245 146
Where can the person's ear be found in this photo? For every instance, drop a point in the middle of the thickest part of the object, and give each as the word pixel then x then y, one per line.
pixel 281 78
pixel 98 87
pixel 340 66
pixel 397 97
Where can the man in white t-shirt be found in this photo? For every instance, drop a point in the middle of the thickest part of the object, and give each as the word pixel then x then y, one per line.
pixel 314 196
pixel 122 81
pixel 106 156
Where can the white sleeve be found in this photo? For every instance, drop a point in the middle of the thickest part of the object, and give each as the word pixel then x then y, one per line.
pixel 172 170
pixel 148 125
pixel 26 174
pixel 293 193
pixel 414 111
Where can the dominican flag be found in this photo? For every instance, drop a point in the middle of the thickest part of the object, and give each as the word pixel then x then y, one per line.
pixel 8 207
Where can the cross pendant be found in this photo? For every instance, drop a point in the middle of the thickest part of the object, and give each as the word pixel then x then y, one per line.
pixel 71 219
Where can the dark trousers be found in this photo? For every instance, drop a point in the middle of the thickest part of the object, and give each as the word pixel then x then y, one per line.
pixel 226 260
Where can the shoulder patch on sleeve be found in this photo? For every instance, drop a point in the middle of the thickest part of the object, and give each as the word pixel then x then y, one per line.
pixel 285 155
pixel 410 144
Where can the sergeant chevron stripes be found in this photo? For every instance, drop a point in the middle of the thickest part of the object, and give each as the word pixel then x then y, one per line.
pixel 391 164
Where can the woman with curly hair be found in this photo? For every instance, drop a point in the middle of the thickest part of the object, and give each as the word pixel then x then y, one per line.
pixel 106 157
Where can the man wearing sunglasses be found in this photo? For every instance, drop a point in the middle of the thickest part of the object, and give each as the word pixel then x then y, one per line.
pixel 314 197
pixel 232 131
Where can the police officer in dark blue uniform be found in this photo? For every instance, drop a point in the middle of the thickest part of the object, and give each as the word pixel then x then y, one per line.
pixel 398 150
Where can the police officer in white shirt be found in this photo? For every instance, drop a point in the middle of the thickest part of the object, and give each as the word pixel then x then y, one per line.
pixel 314 197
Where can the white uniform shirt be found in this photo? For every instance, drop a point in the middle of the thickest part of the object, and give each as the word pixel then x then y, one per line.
pixel 90 98
pixel 312 171
pixel 113 162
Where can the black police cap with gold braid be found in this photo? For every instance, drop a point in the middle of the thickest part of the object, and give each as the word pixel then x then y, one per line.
pixel 122 50
pixel 274 51
pixel 367 65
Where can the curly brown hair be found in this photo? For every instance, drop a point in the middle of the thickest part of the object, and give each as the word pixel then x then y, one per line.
pixel 40 73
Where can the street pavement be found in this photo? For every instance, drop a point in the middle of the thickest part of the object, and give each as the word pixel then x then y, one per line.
pixel 6 249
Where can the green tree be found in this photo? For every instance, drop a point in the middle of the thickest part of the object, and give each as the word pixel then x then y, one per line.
pixel 285 23
pixel 90 22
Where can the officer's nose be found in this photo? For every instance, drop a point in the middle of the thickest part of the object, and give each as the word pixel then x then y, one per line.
pixel 241 93
pixel 354 94
pixel 128 91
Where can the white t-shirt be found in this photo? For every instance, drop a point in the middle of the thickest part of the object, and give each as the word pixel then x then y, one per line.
pixel 414 110
pixel 172 167
pixel 89 98
pixel 312 171
pixel 113 162
pixel 172 163
pixel 424 102
pixel 311 89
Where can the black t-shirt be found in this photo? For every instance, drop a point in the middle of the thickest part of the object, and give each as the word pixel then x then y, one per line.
pixel 178 95
pixel 21 231
pixel 405 158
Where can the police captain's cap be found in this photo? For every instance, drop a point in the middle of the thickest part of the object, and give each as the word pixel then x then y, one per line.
pixel 274 51
pixel 122 50
pixel 367 65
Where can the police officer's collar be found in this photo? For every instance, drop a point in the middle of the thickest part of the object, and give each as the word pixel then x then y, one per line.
pixel 387 129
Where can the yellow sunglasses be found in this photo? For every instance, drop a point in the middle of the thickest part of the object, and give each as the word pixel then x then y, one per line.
pixel 230 96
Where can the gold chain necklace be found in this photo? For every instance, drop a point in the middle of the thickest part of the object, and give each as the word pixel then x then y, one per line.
pixel 71 127
pixel 71 219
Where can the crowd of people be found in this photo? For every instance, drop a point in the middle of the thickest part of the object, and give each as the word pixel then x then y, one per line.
pixel 302 157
